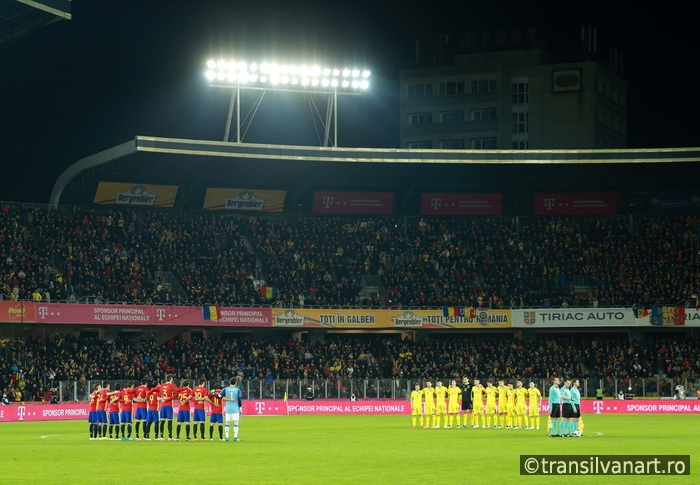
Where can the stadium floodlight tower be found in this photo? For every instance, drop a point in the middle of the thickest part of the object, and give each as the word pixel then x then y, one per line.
pixel 238 75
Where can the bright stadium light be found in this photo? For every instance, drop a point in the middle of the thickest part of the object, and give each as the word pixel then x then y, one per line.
pixel 238 74
pixel 231 72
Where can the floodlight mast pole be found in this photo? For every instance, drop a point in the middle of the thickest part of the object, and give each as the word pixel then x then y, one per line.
pixel 235 100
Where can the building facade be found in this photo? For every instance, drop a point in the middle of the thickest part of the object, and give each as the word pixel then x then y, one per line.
pixel 515 99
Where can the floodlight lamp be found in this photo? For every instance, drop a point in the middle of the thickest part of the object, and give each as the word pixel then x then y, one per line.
pixel 365 74
pixel 211 64
pixel 346 72
pixel 284 79
pixel 253 67
pixel 345 83
pixel 305 81
pixel 356 84
pixel 221 64
pixel 274 79
pixel 314 82
pixel 231 77
pixel 315 71
pixel 294 81
pixel 325 82
pixel 221 75
pixel 334 83
pixel 211 75
pixel 242 66
pixel 336 72
pixel 253 77
pixel 326 72
pixel 364 84
pixel 355 73
pixel 263 79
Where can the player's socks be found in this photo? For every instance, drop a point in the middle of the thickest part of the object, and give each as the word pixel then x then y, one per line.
pixel 235 431
pixel 111 428
pixel 211 431
pixel 226 431
pixel 187 430
pixel 201 429
pixel 422 421
pixel 128 428
pixel 574 426
pixel 221 432
pixel 138 425
pixel 177 432
pixel 170 428
pixel 413 421
pixel 527 421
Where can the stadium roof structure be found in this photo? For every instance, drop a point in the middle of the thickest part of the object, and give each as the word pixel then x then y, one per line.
pixel 21 17
pixel 195 165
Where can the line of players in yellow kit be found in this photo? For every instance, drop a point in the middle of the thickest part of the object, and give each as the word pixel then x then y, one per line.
pixel 505 406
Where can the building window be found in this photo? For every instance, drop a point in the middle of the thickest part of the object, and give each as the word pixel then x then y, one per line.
pixel 520 122
pixel 420 119
pixel 419 90
pixel 484 143
pixel 488 114
pixel 452 116
pixel 520 92
pixel 451 144
pixel 521 145
pixel 455 87
pixel 421 144
pixel 483 86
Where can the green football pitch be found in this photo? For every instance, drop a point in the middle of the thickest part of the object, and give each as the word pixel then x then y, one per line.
pixel 337 449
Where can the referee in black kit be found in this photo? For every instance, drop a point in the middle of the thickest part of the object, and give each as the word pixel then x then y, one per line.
pixel 466 401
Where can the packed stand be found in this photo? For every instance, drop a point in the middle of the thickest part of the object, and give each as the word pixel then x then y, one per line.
pixel 120 255
pixel 31 368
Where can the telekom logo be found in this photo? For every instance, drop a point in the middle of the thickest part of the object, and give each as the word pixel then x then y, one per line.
pixel 598 406
pixel 259 407
pixel 327 202
pixel 435 203
pixel 21 411
pixel 549 203
pixel 43 311
pixel 160 314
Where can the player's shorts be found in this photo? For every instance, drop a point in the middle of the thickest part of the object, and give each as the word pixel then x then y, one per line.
pixel 453 408
pixel 183 416
pixel 114 417
pixel 567 411
pixel 92 416
pixel 200 415
pixel 140 414
pixel 490 408
pixel 555 412
pixel 166 412
pixel 520 410
pixel 533 410
pixel 152 416
pixel 441 409
pixel 416 410
pixel 429 410
pixel 233 416
pixel 478 408
pixel 502 408
pixel 125 417
pixel 101 416
pixel 577 413
pixel 467 406
pixel 216 418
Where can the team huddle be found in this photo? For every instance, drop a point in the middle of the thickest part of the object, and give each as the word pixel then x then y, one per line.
pixel 505 406
pixel 115 411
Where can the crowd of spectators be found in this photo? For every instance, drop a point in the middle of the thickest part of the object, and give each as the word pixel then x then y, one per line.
pixel 124 255
pixel 31 367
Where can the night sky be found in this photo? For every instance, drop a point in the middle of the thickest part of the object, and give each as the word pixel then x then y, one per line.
pixel 123 68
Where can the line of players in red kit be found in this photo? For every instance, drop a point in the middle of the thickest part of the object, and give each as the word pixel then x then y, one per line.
pixel 114 411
